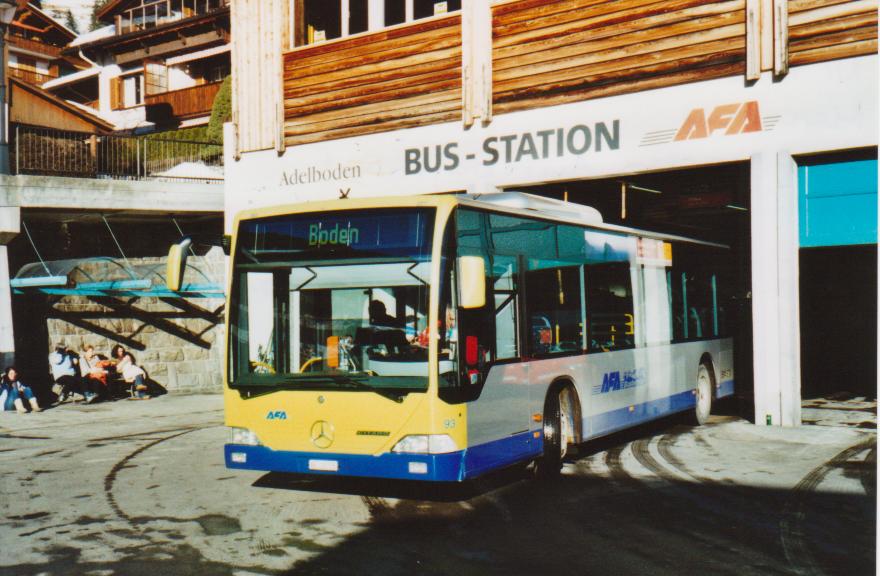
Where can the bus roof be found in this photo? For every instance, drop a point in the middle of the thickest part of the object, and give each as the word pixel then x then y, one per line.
pixel 514 203
pixel 531 205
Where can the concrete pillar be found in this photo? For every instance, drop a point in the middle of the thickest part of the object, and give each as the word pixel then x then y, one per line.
pixel 10 218
pixel 775 296
pixel 7 337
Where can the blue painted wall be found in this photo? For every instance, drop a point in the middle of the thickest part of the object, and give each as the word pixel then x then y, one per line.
pixel 838 203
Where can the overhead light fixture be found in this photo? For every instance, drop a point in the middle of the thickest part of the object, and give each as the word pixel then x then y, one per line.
pixel 642 189
pixel 740 208
pixel 624 186
pixel 7 11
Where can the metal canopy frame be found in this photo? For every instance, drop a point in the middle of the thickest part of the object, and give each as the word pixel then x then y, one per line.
pixel 111 277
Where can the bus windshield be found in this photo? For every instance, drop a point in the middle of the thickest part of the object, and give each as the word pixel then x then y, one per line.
pixel 333 300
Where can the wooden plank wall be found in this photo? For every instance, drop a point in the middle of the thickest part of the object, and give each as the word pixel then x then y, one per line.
pixel 549 52
pixel 397 78
pixel 256 58
pixel 821 30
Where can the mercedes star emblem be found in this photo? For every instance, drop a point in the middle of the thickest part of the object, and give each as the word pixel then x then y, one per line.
pixel 322 434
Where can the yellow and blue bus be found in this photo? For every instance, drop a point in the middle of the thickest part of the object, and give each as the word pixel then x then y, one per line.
pixel 442 337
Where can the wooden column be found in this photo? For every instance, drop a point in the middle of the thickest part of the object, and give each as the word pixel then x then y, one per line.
pixel 780 37
pixel 476 72
pixel 753 39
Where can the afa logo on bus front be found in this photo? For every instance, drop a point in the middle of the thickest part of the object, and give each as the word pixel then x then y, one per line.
pixel 276 415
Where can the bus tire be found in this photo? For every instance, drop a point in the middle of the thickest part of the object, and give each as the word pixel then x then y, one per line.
pixel 704 389
pixel 558 410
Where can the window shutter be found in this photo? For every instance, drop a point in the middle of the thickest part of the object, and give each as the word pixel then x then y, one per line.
pixel 116 93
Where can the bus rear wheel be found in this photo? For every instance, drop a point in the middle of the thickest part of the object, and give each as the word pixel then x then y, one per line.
pixel 703 406
pixel 558 411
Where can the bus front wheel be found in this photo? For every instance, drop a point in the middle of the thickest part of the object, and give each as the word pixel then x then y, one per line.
pixel 703 391
pixel 558 411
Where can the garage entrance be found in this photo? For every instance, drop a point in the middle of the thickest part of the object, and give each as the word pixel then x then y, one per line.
pixel 838 280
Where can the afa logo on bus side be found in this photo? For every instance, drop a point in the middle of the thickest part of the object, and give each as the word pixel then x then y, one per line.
pixel 617 380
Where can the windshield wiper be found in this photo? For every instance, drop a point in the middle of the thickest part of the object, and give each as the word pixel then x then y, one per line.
pixel 353 381
pixel 309 382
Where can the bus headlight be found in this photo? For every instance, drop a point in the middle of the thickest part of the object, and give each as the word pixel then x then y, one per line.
pixel 243 437
pixel 425 444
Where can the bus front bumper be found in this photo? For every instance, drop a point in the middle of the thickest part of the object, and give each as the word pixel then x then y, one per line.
pixel 431 467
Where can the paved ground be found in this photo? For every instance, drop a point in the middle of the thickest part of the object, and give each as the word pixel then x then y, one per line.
pixel 841 410
pixel 136 488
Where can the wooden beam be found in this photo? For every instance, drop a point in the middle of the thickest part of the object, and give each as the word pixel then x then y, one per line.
pixel 766 35
pixel 126 57
pixel 753 39
pixel 476 70
pixel 780 37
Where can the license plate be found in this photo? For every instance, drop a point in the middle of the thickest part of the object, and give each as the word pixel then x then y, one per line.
pixel 324 465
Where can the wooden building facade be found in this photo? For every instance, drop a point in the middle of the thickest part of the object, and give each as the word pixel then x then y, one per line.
pixel 35 44
pixel 160 62
pixel 363 76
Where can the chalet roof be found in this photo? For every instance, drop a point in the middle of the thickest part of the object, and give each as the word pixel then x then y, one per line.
pixel 92 113
pixel 96 34
pixel 68 107
pixel 26 10
pixel 109 8
pixel 61 27
pixel 111 39
pixel 71 78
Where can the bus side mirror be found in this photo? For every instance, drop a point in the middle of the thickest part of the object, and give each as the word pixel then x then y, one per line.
pixel 177 264
pixel 471 282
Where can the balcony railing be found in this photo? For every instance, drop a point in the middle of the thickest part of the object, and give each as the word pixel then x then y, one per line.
pixel 45 151
pixel 153 14
pixel 187 102
pixel 34 45
pixel 29 76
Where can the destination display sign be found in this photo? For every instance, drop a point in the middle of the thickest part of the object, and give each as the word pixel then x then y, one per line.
pixel 393 232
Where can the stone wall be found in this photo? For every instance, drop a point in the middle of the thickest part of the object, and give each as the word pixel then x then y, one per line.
pixel 179 343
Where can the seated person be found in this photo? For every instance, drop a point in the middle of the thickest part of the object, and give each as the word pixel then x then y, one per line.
pixel 93 369
pixel 131 372
pixel 13 393
pixel 66 376
pixel 379 315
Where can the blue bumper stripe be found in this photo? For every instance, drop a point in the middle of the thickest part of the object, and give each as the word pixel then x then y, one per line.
pixel 724 389
pixel 453 467
pixel 500 453
pixel 441 467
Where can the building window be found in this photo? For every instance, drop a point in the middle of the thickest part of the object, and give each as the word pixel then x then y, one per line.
pixel 152 13
pixel 428 8
pixel 133 90
pixel 321 20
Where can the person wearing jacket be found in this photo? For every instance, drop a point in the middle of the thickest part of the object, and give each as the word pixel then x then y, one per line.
pixel 66 373
pixel 93 369
pixel 131 372
pixel 13 393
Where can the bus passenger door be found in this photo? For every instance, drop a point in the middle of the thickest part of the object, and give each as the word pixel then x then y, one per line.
pixel 498 418
pixel 658 330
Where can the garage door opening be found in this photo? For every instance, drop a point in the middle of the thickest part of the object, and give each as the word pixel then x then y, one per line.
pixel 838 287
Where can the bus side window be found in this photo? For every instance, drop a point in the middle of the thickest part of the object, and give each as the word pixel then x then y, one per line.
pixel 554 310
pixel 609 306
pixel 505 290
